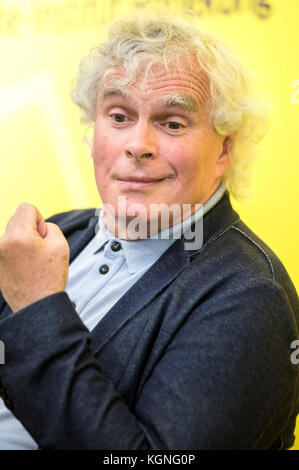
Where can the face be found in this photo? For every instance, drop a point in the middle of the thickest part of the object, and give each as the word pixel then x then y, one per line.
pixel 157 146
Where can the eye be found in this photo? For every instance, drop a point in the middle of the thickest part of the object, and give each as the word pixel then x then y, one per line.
pixel 174 125
pixel 117 117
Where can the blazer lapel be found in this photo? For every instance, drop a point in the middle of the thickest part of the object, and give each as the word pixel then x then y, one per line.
pixel 79 240
pixel 79 232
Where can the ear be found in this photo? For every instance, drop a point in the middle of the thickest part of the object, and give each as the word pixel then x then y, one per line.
pixel 224 158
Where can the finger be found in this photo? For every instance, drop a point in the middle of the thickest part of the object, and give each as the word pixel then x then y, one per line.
pixel 55 237
pixel 54 233
pixel 27 218
pixel 53 230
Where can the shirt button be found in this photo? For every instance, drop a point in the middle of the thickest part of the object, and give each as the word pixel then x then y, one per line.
pixel 104 269
pixel 115 246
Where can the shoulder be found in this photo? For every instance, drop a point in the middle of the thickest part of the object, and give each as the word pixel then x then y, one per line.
pixel 237 249
pixel 236 271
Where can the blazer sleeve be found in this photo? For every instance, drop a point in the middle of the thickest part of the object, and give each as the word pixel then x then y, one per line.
pixel 224 378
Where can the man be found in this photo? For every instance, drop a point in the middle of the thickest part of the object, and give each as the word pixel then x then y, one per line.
pixel 148 342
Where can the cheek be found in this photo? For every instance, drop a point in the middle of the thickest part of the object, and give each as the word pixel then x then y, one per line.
pixel 200 156
pixel 105 152
pixel 186 159
pixel 101 144
pixel 101 154
pixel 104 143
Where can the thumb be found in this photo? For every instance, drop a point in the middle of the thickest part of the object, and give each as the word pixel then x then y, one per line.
pixel 41 227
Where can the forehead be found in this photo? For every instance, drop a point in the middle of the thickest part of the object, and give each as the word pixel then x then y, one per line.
pixel 186 85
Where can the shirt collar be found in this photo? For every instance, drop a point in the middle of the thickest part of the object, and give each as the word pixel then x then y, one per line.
pixel 138 253
pixel 141 253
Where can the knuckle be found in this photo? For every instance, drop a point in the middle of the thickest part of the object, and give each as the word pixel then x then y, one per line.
pixel 25 207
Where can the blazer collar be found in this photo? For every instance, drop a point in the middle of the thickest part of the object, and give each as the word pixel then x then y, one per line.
pixel 216 221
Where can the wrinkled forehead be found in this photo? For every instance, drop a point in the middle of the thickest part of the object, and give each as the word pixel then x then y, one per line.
pixel 184 78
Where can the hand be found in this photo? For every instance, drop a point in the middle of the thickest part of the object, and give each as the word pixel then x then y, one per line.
pixel 34 258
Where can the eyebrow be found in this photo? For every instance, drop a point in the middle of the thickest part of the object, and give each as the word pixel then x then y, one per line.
pixel 183 102
pixel 112 91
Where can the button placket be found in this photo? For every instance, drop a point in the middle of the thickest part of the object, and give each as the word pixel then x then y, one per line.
pixel 110 253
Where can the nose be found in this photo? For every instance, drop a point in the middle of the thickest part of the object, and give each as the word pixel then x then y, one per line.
pixel 141 144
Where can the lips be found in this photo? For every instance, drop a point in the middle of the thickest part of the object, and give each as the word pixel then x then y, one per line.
pixel 138 182
pixel 140 179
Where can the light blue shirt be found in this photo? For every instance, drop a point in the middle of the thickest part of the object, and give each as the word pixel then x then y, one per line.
pixel 95 293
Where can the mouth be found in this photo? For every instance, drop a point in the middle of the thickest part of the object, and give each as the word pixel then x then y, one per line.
pixel 139 182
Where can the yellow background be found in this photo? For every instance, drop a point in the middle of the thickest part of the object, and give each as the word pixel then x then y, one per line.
pixel 43 158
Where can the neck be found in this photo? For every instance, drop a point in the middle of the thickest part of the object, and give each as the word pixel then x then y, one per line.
pixel 140 227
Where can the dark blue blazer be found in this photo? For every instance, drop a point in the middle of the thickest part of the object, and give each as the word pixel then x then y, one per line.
pixel 196 355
